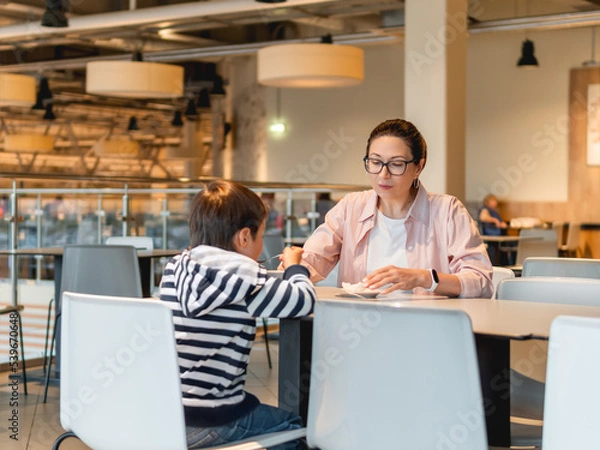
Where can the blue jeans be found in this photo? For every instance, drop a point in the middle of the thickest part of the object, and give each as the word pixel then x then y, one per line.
pixel 263 419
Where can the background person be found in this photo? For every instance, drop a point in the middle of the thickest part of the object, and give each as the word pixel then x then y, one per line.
pixel 216 289
pixel 489 217
pixel 398 235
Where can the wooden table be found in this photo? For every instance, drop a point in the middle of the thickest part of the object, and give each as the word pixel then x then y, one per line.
pixel 495 323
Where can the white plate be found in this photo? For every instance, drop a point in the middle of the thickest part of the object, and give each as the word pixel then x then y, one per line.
pixel 358 290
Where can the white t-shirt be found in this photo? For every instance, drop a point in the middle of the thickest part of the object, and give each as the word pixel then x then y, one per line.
pixel 387 243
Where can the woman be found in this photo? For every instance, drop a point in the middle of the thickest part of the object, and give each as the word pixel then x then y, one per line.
pixel 398 236
pixel 491 221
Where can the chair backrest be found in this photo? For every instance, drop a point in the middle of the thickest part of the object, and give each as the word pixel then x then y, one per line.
pixel 546 244
pixel 576 291
pixel 139 242
pixel 559 227
pixel 387 377
pixel 574 230
pixel 499 274
pixel 101 270
pixel 119 383
pixel 571 413
pixel 562 267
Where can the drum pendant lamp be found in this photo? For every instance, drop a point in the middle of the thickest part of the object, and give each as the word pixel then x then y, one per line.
pixel 310 65
pixel 134 79
pixel 17 90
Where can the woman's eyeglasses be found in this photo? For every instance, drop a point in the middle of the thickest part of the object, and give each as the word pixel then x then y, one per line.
pixel 394 167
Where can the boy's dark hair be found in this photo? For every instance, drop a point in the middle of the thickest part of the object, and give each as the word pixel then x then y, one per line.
pixel 220 210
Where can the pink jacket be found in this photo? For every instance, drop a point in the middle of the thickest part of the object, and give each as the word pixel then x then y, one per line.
pixel 441 235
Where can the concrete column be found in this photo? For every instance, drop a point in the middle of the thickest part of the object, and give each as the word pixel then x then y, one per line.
pixel 244 156
pixel 435 88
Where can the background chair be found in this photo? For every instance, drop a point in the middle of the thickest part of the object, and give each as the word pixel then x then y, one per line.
pixel 572 390
pixel 562 267
pixel 527 390
pixel 499 274
pixel 546 244
pixel 97 269
pixel 571 246
pixel 139 242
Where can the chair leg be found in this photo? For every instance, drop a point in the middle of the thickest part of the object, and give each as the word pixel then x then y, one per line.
pixel 264 321
pixel 47 333
pixel 61 438
pixel 22 353
pixel 52 342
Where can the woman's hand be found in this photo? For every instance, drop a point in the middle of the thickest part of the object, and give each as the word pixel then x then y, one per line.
pixel 290 256
pixel 403 279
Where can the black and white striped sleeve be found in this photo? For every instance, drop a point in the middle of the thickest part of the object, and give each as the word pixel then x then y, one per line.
pixel 292 296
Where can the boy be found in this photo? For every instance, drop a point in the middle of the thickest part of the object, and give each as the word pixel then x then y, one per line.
pixel 216 289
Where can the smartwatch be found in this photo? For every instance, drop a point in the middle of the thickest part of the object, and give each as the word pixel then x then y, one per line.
pixel 435 280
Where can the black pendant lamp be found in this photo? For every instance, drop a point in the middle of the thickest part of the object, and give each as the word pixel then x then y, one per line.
pixel 49 114
pixel 203 99
pixel 177 119
pixel 190 111
pixel 54 16
pixel 528 59
pixel 133 125
pixel 43 93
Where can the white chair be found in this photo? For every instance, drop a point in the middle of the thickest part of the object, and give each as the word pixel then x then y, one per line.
pixel 571 414
pixel 499 274
pixel 134 402
pixel 562 267
pixel 545 244
pixel 401 378
pixel 527 389
pixel 139 242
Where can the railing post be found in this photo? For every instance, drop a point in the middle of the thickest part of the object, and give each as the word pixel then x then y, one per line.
pixel 99 219
pixel 165 221
pixel 125 218
pixel 14 278
pixel 39 212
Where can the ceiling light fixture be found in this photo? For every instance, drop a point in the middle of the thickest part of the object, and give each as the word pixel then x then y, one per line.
pixel 203 99
pixel 17 90
pixel 133 126
pixel 527 59
pixel 121 147
pixel 54 16
pixel 190 111
pixel 311 65
pixel 49 114
pixel 177 119
pixel 28 143
pixel 134 79
pixel 277 127
pixel 218 88
pixel 43 93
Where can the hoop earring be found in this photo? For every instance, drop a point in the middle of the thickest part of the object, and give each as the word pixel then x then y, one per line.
pixel 416 183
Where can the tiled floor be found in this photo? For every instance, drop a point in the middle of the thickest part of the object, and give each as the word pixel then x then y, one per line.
pixel 39 423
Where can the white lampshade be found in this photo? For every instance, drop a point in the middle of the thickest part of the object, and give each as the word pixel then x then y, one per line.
pixel 17 90
pixel 134 79
pixel 116 148
pixel 28 143
pixel 310 65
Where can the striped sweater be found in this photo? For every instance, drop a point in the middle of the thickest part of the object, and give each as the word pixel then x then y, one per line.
pixel 215 296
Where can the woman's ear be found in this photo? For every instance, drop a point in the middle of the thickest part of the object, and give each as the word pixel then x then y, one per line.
pixel 420 166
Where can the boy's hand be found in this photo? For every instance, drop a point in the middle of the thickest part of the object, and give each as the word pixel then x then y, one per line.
pixel 291 256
